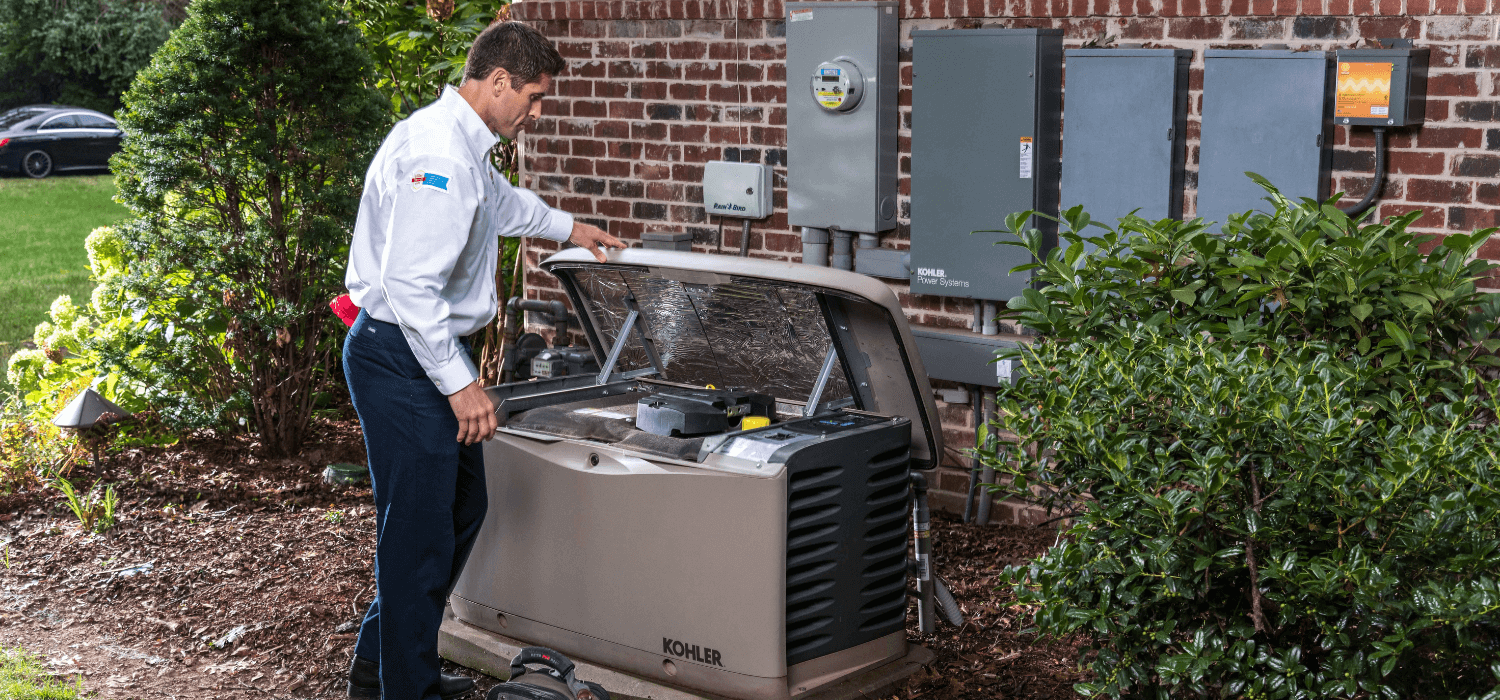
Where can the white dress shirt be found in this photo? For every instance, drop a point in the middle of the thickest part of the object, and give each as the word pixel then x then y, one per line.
pixel 427 237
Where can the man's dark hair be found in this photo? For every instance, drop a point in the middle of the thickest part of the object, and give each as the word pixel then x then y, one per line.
pixel 522 51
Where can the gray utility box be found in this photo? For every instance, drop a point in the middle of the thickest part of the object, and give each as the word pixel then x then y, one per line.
pixel 841 115
pixel 965 357
pixel 1124 132
pixel 1264 111
pixel 985 110
pixel 1381 87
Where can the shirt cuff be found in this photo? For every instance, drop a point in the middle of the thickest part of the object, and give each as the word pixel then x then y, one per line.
pixel 454 376
pixel 559 226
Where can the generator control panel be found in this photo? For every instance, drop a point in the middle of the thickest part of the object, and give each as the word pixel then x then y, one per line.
pixel 1380 87
pixel 835 85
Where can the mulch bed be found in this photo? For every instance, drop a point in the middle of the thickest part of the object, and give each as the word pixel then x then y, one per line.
pixel 246 577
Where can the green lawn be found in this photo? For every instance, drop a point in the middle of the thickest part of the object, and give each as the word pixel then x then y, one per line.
pixel 23 677
pixel 42 227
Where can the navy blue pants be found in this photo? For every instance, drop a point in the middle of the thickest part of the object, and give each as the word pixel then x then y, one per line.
pixel 429 503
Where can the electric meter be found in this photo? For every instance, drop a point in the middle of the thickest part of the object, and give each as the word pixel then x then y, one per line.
pixel 837 85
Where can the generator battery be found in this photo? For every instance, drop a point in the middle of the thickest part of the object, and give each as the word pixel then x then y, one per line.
pixel 563 362
pixel 687 412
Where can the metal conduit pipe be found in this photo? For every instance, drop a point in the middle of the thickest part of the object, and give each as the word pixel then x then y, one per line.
pixel 815 246
pixel 991 324
pixel 987 476
pixel 869 240
pixel 977 322
pixel 843 249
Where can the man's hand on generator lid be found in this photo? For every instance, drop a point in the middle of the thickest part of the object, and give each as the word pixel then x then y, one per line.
pixel 593 238
pixel 475 412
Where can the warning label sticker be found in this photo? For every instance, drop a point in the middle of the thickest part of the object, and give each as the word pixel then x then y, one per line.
pixel 1363 89
pixel 800 15
pixel 831 98
pixel 1027 151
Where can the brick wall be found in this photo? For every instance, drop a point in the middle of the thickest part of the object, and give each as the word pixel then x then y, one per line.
pixel 655 88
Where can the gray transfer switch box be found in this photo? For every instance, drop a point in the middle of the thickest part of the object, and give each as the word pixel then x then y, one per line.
pixel 841 115
pixel 1124 133
pixel 985 111
pixel 1264 111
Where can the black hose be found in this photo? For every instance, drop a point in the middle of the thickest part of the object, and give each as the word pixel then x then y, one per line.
pixel 1364 205
pixel 922 548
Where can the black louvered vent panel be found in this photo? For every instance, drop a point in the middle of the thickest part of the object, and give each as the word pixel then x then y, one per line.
pixel 847 535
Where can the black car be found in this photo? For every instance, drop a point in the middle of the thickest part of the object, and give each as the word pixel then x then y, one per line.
pixel 39 140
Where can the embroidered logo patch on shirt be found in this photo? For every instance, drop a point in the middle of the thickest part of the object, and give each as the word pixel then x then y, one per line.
pixel 429 179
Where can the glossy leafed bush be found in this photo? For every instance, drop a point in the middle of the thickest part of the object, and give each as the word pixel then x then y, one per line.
pixel 1276 446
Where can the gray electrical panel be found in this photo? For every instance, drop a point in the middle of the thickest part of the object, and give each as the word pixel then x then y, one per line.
pixel 841 115
pixel 985 111
pixel 1264 111
pixel 1124 132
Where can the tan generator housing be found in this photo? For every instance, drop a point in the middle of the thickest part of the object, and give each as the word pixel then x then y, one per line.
pixel 762 559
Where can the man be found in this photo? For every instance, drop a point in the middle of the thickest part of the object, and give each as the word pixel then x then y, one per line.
pixel 422 268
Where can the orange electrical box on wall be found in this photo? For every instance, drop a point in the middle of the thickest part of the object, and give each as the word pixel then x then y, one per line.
pixel 1380 87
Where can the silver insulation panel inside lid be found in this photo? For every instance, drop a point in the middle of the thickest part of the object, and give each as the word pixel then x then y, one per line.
pixel 758 325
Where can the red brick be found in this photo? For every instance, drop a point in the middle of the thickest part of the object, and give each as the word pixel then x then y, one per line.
pixel 775 94
pixel 648 90
pixel 649 49
pixel 1444 191
pixel 1450 137
pixel 613 208
pixel 576 205
pixel 588 29
pixel 653 171
pixel 688 92
pixel 612 168
pixel 1488 193
pixel 557 147
pixel 682 172
pixel 575 127
pixel 1490 249
pixel 575 49
pixel 587 69
pixel 1472 219
pixel 588 148
pixel 612 129
pixel 724 51
pixel 664 191
pixel 612 49
pixel 702 71
pixel 687 50
pixel 661 151
pixel 1432 216
pixel 648 131
pixel 1415 163
pixel 578 166
pixel 1437 110
pixel 1286 7
pixel 1476 7
pixel 726 93
pixel 689 133
pixel 1460 28
pixel 663 70
pixel 537 164
pixel 564 87
pixel 611 88
pixel 1143 28
pixel 590 108
pixel 1378 27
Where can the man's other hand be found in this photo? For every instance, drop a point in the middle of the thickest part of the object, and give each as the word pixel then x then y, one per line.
pixel 593 238
pixel 475 412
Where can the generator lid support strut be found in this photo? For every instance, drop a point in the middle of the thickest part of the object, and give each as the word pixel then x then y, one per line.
pixel 829 360
pixel 633 322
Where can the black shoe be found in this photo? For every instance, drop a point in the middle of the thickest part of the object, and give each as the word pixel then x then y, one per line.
pixel 364 682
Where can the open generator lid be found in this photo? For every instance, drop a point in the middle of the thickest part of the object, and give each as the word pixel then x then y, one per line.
pixel 761 325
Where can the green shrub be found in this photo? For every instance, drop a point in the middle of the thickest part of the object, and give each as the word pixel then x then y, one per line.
pixel 1303 272
pixel 1275 445
pixel 246 142
pixel 1250 525
pixel 416 48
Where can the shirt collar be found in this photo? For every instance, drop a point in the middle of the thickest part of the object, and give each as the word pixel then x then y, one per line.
pixel 474 130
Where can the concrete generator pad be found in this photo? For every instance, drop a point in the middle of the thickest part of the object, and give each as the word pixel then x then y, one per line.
pixel 485 651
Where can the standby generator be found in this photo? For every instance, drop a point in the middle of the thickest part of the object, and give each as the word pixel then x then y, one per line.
pixel 725 506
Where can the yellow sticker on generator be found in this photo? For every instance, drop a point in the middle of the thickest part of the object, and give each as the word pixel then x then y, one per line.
pixel 1363 90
